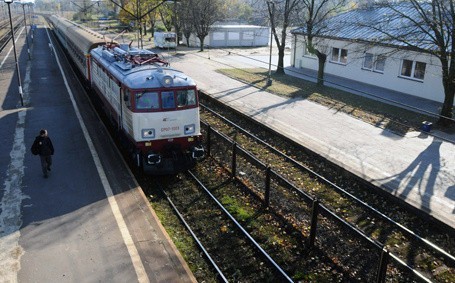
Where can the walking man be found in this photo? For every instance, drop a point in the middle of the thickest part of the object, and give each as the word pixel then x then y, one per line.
pixel 43 147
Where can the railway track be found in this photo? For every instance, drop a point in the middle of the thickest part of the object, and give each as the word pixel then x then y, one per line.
pixel 5 31
pixel 348 244
pixel 314 229
pixel 395 238
pixel 318 224
pixel 232 252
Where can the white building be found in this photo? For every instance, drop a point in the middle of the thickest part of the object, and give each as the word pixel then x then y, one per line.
pixel 234 36
pixel 355 53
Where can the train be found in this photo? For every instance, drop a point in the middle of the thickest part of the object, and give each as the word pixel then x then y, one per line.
pixel 153 108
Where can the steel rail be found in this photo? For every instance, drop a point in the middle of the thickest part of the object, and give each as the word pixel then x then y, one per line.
pixel 239 226
pixel 6 37
pixel 201 246
pixel 329 212
pixel 339 189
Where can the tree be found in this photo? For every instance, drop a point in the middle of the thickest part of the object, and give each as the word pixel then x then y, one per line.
pixel 184 19
pixel 281 14
pixel 151 17
pixel 85 10
pixel 138 10
pixel 237 10
pixel 204 13
pixel 166 14
pixel 427 27
pixel 315 13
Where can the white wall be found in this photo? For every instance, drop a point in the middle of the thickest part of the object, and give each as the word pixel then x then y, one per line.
pixel 430 87
pixel 232 36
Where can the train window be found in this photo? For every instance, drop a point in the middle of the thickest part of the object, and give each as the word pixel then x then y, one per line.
pixel 182 99
pixel 167 98
pixel 191 96
pixel 186 97
pixel 126 98
pixel 147 100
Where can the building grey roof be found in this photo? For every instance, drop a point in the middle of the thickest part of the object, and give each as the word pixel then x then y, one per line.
pixel 390 24
pixel 242 27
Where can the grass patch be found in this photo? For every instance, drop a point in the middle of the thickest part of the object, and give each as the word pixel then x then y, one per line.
pixel 371 111
pixel 241 212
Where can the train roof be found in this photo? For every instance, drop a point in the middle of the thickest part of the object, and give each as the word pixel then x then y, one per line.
pixel 84 38
pixel 138 68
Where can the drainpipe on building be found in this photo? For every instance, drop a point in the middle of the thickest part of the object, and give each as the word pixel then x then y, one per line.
pixel 295 47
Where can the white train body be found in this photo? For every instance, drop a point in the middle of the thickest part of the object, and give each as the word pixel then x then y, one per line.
pixel 155 108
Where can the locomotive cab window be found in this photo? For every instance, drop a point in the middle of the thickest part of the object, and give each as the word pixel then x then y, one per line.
pixel 186 98
pixel 168 100
pixel 147 100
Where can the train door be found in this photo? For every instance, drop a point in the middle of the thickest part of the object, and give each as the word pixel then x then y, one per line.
pixel 127 125
pixel 88 70
pixel 120 121
pixel 126 113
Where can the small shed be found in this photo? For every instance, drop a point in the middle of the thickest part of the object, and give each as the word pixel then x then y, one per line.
pixel 234 36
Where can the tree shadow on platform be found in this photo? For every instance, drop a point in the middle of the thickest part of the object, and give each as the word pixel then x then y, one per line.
pixel 420 175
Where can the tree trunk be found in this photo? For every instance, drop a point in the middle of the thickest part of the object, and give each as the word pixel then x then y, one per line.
pixel 322 58
pixel 447 107
pixel 201 39
pixel 152 27
pixel 280 67
pixel 187 37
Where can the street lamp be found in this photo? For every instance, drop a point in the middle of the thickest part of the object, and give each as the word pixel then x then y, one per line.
pixel 23 3
pixel 15 55
pixel 32 25
pixel 271 13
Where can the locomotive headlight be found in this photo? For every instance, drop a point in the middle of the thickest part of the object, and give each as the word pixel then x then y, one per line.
pixel 148 133
pixel 167 81
pixel 189 129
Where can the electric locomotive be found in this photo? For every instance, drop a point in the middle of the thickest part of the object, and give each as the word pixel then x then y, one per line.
pixel 154 108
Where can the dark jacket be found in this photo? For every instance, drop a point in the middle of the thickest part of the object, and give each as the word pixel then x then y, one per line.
pixel 43 146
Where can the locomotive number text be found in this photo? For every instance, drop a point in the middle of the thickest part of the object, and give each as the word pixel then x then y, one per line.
pixel 167 129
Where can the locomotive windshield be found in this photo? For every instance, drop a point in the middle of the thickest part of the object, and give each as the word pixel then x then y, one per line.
pixel 147 100
pixel 186 97
pixel 165 100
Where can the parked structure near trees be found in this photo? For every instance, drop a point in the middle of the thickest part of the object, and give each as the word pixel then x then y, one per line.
pixel 233 35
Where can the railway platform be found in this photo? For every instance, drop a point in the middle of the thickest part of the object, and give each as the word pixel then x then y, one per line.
pixel 417 168
pixel 89 221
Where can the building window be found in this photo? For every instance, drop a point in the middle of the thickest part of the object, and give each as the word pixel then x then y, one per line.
pixel 339 55
pixel 218 35
pixel 233 35
pixel 413 69
pixel 248 35
pixel 368 61
pixel 374 63
pixel 379 63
